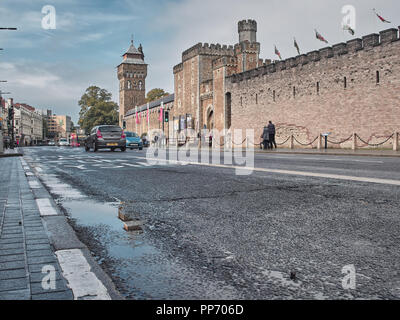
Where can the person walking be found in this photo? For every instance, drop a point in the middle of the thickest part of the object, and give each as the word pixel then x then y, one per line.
pixel 265 137
pixel 272 132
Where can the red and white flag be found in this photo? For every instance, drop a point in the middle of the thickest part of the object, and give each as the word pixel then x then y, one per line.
pixel 320 37
pixel 278 53
pixel 137 118
pixel 148 114
pixel 162 112
pixel 381 18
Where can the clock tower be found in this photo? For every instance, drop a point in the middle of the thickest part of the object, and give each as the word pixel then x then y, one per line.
pixel 132 73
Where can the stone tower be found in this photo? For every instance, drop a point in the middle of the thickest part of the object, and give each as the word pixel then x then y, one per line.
pixel 247 31
pixel 247 50
pixel 132 73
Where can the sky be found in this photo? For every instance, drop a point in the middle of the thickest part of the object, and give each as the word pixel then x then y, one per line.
pixel 51 68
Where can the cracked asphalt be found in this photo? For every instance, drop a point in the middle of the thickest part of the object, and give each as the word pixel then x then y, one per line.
pixel 209 234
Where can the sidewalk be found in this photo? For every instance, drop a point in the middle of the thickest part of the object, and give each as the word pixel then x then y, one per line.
pixel 10 153
pixel 25 250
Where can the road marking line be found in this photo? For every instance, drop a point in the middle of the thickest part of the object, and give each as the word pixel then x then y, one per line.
pixel 288 172
pixel 83 282
pixel 34 184
pixel 45 207
pixel 322 159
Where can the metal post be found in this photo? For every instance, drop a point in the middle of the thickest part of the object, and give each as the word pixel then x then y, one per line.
pixel 319 142
pixel 326 142
pixel 291 145
pixel 1 141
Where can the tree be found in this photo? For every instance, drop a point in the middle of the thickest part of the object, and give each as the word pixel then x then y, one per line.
pixel 97 109
pixel 155 94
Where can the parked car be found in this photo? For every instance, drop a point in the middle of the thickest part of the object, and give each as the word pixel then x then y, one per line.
pixel 106 137
pixel 133 141
pixel 51 143
pixel 63 142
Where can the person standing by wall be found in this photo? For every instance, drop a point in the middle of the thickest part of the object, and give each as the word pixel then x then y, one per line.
pixel 272 132
pixel 265 137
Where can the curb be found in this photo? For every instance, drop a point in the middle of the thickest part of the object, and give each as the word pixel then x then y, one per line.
pixel 71 253
pixel 9 155
pixel 332 154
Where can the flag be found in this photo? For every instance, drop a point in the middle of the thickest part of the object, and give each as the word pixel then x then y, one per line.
pixel 296 46
pixel 349 29
pixel 162 112
pixel 320 37
pixel 278 53
pixel 381 18
pixel 148 114
pixel 137 117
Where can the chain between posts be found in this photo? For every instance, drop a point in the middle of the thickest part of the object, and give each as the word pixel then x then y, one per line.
pixel 305 144
pixel 374 144
pixel 341 142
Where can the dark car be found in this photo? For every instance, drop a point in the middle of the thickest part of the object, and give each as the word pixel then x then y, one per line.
pixel 106 137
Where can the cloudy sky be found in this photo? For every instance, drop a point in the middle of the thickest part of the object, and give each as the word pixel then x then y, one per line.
pixel 52 68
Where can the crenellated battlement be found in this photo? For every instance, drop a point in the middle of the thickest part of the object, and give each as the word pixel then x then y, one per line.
pixel 178 68
pixel 207 49
pixel 224 61
pixel 368 42
pixel 248 47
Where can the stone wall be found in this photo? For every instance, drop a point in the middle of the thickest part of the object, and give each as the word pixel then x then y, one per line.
pixel 350 87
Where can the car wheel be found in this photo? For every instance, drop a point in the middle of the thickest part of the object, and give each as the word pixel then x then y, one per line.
pixel 140 149
pixel 123 149
pixel 112 149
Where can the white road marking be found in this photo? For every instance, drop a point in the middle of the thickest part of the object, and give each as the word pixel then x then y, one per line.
pixel 322 159
pixel 45 207
pixel 29 174
pixel 290 172
pixel 82 281
pixel 34 184
pixel 39 169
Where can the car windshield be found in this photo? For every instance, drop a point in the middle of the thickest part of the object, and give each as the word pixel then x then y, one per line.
pixel 110 129
pixel 63 140
pixel 131 135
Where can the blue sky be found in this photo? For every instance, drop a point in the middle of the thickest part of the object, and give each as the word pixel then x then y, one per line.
pixel 52 68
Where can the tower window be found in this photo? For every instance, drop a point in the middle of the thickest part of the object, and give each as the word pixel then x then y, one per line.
pixel 241 101
pixel 318 87
pixel 129 84
pixel 256 98
pixel 378 80
pixel 345 82
pixel 274 95
pixel 294 92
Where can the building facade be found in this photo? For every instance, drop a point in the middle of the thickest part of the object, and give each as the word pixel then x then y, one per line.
pixel 59 126
pixel 348 88
pixel 28 125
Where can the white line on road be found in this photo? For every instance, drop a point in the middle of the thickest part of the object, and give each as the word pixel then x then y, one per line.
pixel 289 172
pixel 82 281
pixel 45 207
pixel 34 184
pixel 322 159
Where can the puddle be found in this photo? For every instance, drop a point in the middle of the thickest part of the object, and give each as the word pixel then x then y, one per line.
pixel 139 268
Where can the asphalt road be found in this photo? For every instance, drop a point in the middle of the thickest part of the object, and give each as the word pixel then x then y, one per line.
pixel 211 234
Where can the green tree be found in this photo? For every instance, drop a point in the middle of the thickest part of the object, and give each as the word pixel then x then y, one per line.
pixel 156 94
pixel 97 109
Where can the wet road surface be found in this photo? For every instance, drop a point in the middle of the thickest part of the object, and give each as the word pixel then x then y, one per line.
pixel 209 234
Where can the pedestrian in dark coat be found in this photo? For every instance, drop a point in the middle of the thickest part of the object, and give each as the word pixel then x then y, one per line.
pixel 265 137
pixel 272 132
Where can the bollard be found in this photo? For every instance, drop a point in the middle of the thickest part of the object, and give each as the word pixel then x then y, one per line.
pixel 319 142
pixel 354 147
pixel 291 144
pixel 1 142
pixel 396 141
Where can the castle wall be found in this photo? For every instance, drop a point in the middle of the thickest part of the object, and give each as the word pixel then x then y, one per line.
pixel 332 90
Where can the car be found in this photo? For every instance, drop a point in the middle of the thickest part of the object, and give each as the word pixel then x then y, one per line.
pixel 106 137
pixel 133 141
pixel 63 142
pixel 51 143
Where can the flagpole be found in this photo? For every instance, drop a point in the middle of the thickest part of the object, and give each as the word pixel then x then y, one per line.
pixel 148 117
pixel 136 118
